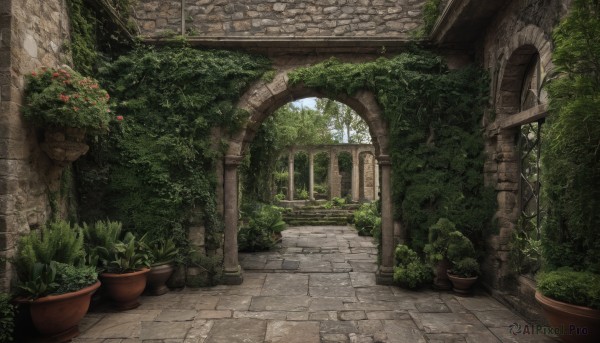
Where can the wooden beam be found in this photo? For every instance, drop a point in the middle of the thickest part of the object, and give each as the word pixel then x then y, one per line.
pixel 533 114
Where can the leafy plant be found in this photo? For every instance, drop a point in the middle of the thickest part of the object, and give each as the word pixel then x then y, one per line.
pixel 439 237
pixel 56 241
pixel 466 267
pixel 302 194
pixel 64 98
pixel 261 232
pixel 570 286
pixel 366 218
pixel 525 253
pixel 7 318
pixel 126 256
pixel 162 251
pixel 42 280
pixel 410 271
pixel 71 278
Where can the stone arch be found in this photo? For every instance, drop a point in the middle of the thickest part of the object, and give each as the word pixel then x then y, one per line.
pixel 260 101
pixel 529 47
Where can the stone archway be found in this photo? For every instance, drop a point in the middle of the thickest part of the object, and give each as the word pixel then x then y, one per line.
pixel 260 101
pixel 530 48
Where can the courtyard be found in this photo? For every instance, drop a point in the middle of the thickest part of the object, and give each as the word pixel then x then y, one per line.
pixel 318 286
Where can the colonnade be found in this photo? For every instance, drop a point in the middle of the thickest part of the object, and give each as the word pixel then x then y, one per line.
pixel 370 175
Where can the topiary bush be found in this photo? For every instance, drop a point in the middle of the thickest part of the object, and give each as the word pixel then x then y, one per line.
pixel 467 267
pixel 410 272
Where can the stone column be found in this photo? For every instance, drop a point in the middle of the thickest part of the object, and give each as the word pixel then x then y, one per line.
pixel 291 176
pixel 332 173
pixel 386 269
pixel 355 175
pixel 375 179
pixel 311 175
pixel 232 272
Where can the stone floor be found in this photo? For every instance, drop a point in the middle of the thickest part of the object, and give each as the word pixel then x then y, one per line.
pixel 318 287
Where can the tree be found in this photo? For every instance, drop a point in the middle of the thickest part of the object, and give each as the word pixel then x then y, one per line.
pixel 345 124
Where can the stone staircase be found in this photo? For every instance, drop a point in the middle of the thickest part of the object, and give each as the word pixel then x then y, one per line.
pixel 318 215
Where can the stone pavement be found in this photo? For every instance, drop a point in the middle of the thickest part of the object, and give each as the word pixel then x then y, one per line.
pixel 319 286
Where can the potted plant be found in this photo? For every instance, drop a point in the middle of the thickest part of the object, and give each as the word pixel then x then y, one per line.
pixel 410 272
pixel 123 263
pixel 162 253
pixel 66 105
pixel 436 251
pixel 54 281
pixel 463 275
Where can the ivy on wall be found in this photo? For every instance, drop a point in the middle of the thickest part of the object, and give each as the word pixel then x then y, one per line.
pixel 436 142
pixel 155 170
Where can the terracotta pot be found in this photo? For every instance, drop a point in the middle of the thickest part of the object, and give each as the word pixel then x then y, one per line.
pixel 572 323
pixel 157 277
pixel 440 281
pixel 462 285
pixel 125 289
pixel 57 317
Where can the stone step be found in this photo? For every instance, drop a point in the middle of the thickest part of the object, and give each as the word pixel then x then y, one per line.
pixel 316 222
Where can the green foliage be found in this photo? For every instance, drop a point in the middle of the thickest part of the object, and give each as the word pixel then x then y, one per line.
pixel 162 251
pixel 466 267
pixel 410 271
pixel 261 232
pixel 126 256
pixel 573 287
pixel 302 194
pixel 99 240
pixel 7 318
pixel 525 253
pixel 459 247
pixel 56 241
pixel 64 98
pixel 439 236
pixel 42 280
pixel 436 145
pixel 57 278
pixel 366 219
pixel 71 278
pixel 431 11
pixel 155 172
pixel 571 161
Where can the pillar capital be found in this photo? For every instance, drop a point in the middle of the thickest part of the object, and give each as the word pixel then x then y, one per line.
pixel 384 160
pixel 233 160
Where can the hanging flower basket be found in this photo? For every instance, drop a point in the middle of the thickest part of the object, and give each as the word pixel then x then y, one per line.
pixel 66 105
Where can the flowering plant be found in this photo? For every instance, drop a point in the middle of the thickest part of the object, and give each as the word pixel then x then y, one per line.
pixel 64 98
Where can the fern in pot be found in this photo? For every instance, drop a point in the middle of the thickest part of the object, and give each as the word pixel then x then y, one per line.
pixel 53 279
pixel 163 255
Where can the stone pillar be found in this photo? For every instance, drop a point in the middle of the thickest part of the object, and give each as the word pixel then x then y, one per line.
pixel 332 173
pixel 386 269
pixel 232 272
pixel 291 176
pixel 311 175
pixel 376 180
pixel 355 175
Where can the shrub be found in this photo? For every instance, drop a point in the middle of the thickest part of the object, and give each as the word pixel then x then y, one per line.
pixel 7 318
pixel 64 98
pixel 410 271
pixel 263 226
pixel 459 247
pixel 366 219
pixel 56 241
pixel 212 267
pixel 439 235
pixel 569 286
pixel 302 194
pixel 467 267
pixel 70 278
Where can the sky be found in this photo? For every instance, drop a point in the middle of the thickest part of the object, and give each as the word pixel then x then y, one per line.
pixel 307 103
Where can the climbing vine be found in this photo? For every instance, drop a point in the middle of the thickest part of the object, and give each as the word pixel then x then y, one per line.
pixel 155 170
pixel 436 142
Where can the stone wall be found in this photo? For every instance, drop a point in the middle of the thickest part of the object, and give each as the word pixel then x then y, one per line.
pixel 520 33
pixel 32 34
pixel 281 18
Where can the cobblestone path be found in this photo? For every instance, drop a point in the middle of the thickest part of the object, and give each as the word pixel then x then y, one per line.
pixel 319 286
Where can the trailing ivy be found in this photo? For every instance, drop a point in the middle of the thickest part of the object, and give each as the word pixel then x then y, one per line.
pixel 155 171
pixel 431 11
pixel 436 144
pixel 571 159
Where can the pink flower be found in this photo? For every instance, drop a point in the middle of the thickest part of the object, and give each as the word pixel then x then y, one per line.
pixel 33 73
pixel 55 75
pixel 119 118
